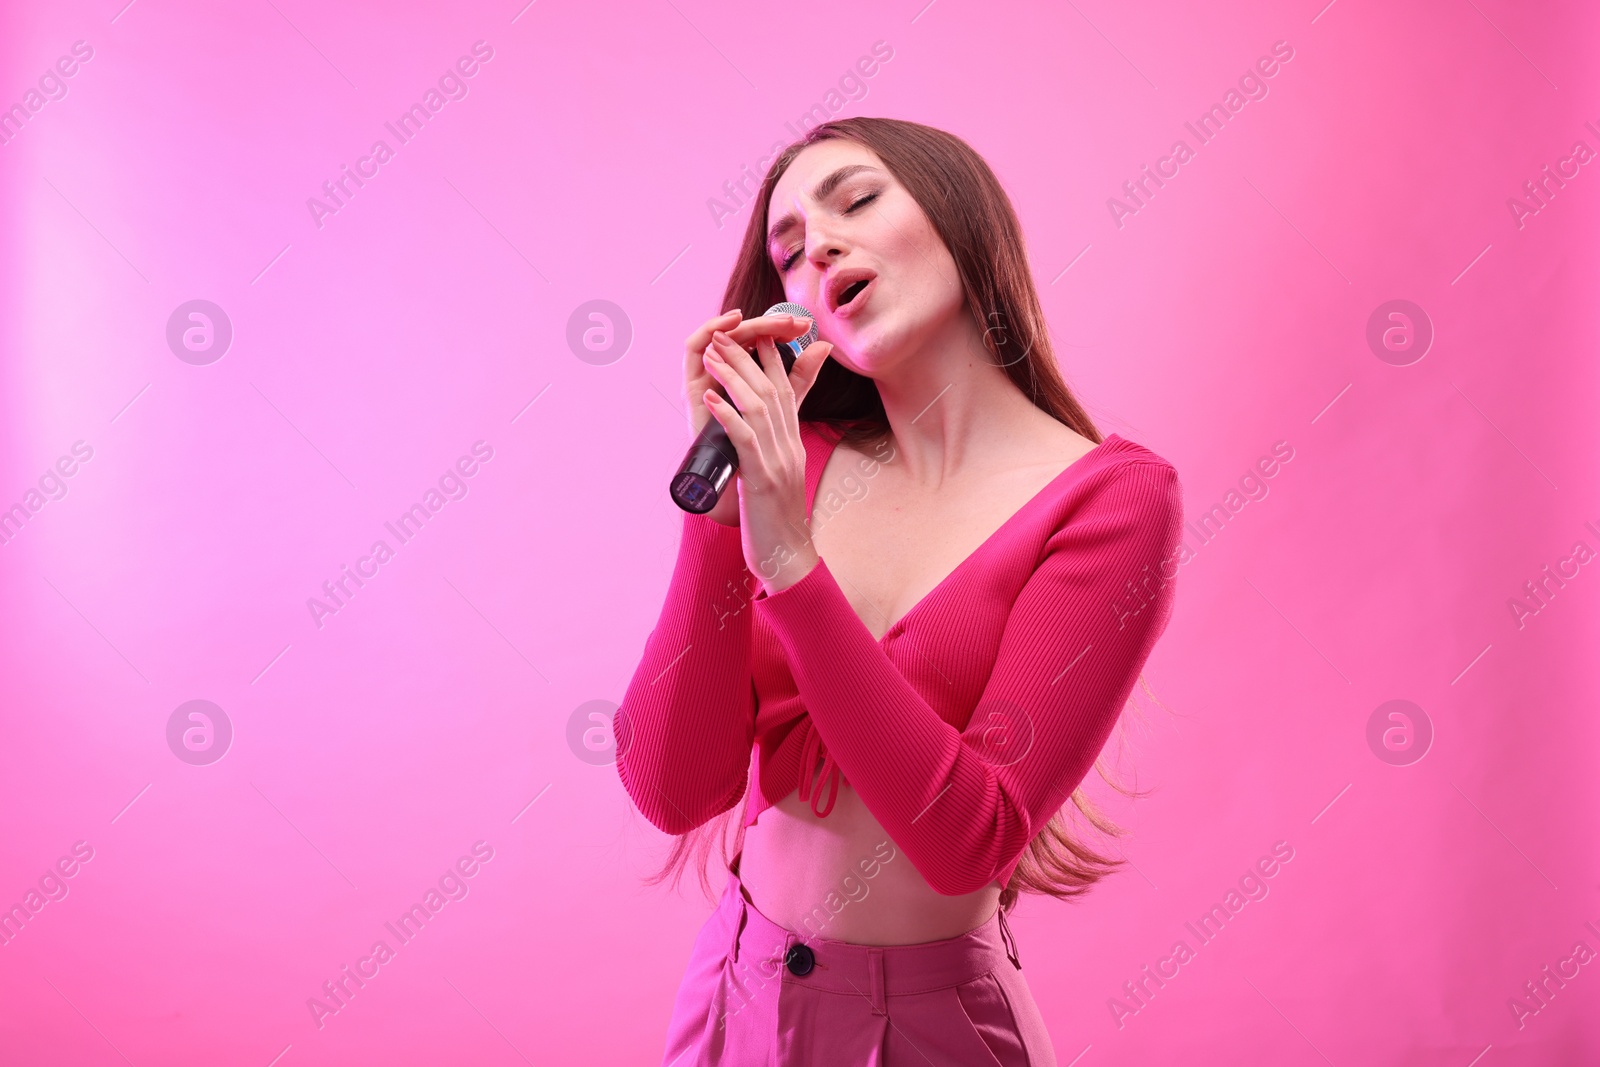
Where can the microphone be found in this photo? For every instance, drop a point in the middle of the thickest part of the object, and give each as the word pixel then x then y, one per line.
pixel 712 459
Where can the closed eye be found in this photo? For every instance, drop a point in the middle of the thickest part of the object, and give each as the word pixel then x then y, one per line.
pixel 789 260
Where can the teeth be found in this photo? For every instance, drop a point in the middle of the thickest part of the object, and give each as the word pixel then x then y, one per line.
pixel 851 291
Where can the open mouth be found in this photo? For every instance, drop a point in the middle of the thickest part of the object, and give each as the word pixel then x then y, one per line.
pixel 851 291
pixel 846 289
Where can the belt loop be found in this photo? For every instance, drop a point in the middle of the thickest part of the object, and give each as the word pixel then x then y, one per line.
pixel 1010 942
pixel 880 1003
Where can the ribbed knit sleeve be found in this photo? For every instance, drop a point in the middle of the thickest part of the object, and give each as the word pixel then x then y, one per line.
pixel 686 725
pixel 963 806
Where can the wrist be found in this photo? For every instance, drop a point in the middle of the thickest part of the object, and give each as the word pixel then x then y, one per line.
pixel 799 564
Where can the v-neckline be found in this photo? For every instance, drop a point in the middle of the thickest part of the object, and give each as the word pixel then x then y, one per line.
pixel 813 488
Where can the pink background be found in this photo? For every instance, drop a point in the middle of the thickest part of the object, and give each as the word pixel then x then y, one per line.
pixel 368 354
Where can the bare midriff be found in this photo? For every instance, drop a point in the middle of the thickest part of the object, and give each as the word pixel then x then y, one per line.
pixel 827 878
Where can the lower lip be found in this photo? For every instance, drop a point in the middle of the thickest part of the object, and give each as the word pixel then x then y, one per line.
pixel 846 311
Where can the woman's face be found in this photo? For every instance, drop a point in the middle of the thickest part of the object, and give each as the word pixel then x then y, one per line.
pixel 852 245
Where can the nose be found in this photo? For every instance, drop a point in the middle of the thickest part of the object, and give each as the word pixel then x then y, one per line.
pixel 825 251
pixel 823 245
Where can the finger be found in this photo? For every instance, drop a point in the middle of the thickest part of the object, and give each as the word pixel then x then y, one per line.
pixel 739 432
pixel 759 372
pixel 782 327
pixel 702 336
pixel 697 341
pixel 772 367
pixel 742 361
pixel 783 401
pixel 806 368
pixel 750 375
pixel 755 409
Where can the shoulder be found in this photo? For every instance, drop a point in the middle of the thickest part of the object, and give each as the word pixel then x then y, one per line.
pixel 1126 490
pixel 1112 457
pixel 1114 464
pixel 1133 460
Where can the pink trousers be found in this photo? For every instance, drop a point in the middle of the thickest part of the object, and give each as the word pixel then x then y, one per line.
pixel 758 995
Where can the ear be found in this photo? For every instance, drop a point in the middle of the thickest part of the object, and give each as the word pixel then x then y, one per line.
pixel 807 365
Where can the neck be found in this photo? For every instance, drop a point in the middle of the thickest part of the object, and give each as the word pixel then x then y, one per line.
pixel 949 405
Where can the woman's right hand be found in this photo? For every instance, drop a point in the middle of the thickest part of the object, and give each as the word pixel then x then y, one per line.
pixel 697 380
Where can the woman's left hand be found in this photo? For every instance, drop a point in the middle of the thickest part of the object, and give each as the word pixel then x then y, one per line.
pixel 765 429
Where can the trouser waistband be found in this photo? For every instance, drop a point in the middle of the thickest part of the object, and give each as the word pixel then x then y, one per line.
pixel 874 971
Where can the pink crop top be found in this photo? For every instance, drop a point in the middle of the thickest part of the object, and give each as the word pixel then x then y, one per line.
pixel 966 727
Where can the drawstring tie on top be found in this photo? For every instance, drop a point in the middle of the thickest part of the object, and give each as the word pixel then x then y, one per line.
pixel 830 770
pixel 1010 942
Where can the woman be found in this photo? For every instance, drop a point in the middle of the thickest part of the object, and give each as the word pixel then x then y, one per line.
pixel 925 606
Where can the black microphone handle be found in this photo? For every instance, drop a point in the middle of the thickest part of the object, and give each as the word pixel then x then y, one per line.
pixel 708 466
pixel 706 470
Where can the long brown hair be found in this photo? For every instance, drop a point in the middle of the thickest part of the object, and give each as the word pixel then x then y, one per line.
pixel 972 214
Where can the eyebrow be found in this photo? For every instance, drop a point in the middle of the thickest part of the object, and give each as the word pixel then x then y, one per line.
pixel 825 187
